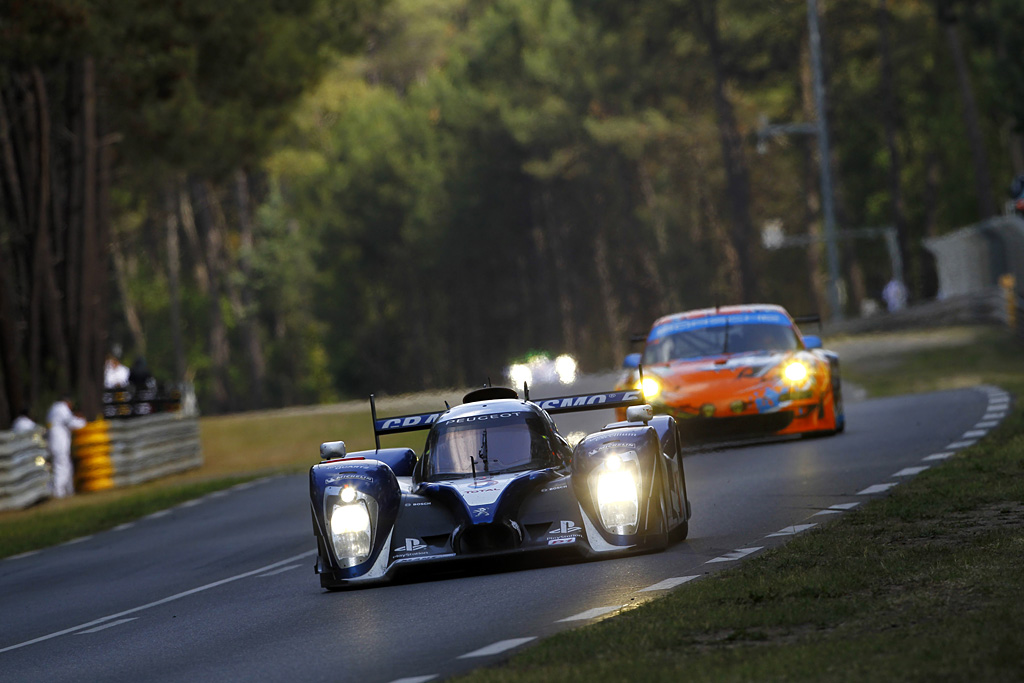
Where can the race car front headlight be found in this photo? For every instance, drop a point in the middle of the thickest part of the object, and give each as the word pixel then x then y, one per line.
pixel 351 532
pixel 650 387
pixel 520 374
pixel 618 503
pixel 795 372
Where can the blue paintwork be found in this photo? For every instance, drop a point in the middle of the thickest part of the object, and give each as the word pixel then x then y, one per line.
pixel 812 341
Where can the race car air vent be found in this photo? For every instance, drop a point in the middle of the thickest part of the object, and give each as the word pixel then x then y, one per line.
pixel 486 538
pixel 489 394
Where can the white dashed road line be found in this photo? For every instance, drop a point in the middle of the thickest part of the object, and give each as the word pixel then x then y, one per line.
pixel 668 584
pixel 498 647
pixel 877 488
pixel 911 471
pixel 158 514
pixel 956 445
pixel 988 424
pixel 73 541
pixel 416 679
pixel 938 456
pixel 737 554
pixel 791 530
pixel 975 433
pixel 591 613
pixel 122 527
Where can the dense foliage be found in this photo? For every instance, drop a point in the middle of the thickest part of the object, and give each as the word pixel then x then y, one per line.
pixel 288 224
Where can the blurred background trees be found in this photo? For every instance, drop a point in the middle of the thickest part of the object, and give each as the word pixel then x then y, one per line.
pixel 292 202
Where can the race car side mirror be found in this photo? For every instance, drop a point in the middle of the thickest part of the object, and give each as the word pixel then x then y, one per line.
pixel 329 450
pixel 632 361
pixel 812 341
pixel 642 413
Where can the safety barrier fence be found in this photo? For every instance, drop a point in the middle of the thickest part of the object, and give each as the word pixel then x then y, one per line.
pixel 24 478
pixel 115 453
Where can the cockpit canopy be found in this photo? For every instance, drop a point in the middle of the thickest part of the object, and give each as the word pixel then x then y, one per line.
pixel 483 444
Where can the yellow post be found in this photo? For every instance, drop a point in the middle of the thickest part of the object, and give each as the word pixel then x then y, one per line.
pixel 1009 284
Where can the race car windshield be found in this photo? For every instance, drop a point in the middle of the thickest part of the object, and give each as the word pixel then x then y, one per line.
pixel 719 339
pixel 487 444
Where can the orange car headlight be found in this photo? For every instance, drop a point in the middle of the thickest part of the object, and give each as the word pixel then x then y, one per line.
pixel 795 372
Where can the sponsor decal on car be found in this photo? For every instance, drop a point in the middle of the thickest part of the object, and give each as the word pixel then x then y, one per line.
pixel 563 540
pixel 567 527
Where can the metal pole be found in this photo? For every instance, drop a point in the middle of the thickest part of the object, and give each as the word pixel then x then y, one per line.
pixel 828 208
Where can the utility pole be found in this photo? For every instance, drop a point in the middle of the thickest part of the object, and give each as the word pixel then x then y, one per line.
pixel 827 205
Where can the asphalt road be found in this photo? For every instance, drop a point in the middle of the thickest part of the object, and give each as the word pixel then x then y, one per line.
pixel 222 588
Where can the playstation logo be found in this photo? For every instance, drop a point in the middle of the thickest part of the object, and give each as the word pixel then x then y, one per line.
pixel 566 527
pixel 413 544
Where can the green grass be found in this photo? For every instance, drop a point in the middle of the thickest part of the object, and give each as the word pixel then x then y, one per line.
pixel 925 584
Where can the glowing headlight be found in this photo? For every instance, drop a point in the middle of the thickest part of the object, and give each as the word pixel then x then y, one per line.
pixel 565 368
pixel 520 374
pixel 650 387
pixel 351 532
pixel 617 500
pixel 795 372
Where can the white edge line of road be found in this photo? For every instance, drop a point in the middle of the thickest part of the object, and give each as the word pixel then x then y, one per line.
pixel 416 679
pixel 157 603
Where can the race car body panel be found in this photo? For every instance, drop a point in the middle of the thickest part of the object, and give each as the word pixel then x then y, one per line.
pixel 496 478
pixel 740 371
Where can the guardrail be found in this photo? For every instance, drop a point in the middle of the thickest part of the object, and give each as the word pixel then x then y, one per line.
pixel 115 453
pixel 24 478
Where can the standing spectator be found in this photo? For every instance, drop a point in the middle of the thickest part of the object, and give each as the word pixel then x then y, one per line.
pixel 115 373
pixel 23 423
pixel 140 377
pixel 60 421
pixel 895 295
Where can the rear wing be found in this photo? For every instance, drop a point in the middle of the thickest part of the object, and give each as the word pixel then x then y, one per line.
pixel 554 406
pixel 573 404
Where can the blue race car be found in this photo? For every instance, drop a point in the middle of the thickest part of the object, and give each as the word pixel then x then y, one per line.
pixel 495 477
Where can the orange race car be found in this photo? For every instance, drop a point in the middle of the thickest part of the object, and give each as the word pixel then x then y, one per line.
pixel 738 371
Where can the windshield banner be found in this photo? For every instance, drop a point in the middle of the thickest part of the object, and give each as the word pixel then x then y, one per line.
pixel 767 318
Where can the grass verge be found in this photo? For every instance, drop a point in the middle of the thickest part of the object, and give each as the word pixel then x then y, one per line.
pixel 924 584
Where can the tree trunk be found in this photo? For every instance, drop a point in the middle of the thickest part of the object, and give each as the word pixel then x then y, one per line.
pixel 972 122
pixel 737 173
pixel 250 328
pixel 173 281
pixel 890 119
pixel 812 198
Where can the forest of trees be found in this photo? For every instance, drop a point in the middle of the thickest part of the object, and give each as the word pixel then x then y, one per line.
pixel 293 201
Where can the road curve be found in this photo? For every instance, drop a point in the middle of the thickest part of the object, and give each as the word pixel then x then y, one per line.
pixel 222 588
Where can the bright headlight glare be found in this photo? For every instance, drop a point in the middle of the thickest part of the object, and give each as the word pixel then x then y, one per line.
pixel 617 500
pixel 650 387
pixel 565 368
pixel 520 374
pixel 350 531
pixel 795 372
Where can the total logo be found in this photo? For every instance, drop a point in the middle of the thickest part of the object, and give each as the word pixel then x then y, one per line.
pixel 566 527
pixel 413 544
pixel 482 484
